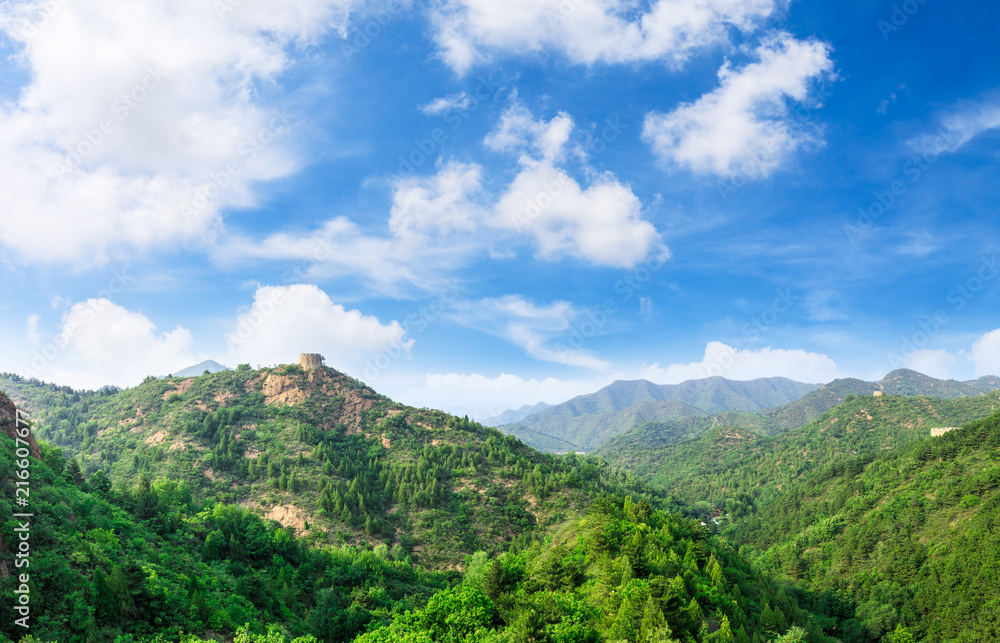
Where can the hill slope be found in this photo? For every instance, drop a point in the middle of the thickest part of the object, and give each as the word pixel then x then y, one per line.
pixel 325 454
pixel 147 558
pixel 911 536
pixel 733 468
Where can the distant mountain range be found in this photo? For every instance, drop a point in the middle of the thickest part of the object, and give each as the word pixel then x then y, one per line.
pixel 586 421
pixel 684 411
pixel 510 416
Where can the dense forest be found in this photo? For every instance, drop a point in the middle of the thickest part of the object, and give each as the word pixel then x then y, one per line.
pixel 733 468
pixel 907 540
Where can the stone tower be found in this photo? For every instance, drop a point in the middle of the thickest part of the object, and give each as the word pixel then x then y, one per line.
pixel 310 361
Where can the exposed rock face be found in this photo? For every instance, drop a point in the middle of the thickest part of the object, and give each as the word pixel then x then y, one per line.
pixel 8 425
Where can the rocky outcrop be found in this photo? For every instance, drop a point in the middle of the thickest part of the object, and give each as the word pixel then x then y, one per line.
pixel 8 425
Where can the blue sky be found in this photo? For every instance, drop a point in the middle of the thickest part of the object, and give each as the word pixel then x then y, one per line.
pixel 474 205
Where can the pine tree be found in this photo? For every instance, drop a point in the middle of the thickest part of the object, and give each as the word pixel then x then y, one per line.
pixel 105 603
pixel 73 472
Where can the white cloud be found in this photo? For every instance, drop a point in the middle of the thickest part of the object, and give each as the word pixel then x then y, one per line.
pixel 129 107
pixel 284 321
pixel 519 131
pixel 33 335
pixel 440 223
pixel 744 127
pixel 99 342
pixel 481 397
pixel 745 364
pixel 961 124
pixel 985 354
pixel 459 101
pixel 470 32
pixel 601 223
pixel 542 331
pixel 941 364
pixel 435 226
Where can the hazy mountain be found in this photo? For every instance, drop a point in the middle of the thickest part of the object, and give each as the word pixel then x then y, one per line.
pixel 198 369
pixel 586 421
pixel 514 415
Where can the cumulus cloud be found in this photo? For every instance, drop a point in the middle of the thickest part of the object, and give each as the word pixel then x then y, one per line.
pixel 470 32
pixel 986 354
pixel 940 363
pixel 99 342
pixel 141 121
pixel 747 364
pixel 284 321
pixel 744 126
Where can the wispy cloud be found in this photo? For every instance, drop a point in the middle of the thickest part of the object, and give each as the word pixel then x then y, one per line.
pixel 960 124
pixel 541 330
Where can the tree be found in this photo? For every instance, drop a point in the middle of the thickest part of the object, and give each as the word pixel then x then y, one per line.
pixel 100 482
pixel 105 603
pixel 73 472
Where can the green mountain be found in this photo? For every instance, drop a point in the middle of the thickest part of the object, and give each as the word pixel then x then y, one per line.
pixel 587 421
pixel 899 382
pixel 256 506
pixel 895 544
pixel 321 448
pixel 735 465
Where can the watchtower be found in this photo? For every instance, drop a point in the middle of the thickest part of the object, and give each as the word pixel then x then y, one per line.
pixel 310 361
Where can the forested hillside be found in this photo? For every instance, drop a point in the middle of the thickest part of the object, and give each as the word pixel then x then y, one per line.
pixel 325 454
pixel 733 469
pixel 154 551
pixel 906 539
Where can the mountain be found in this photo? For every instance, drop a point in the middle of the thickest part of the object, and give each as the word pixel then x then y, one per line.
pixel 734 466
pixel 198 369
pixel 586 421
pixel 899 382
pixel 256 506
pixel 892 542
pixel 321 449
pixel 514 415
